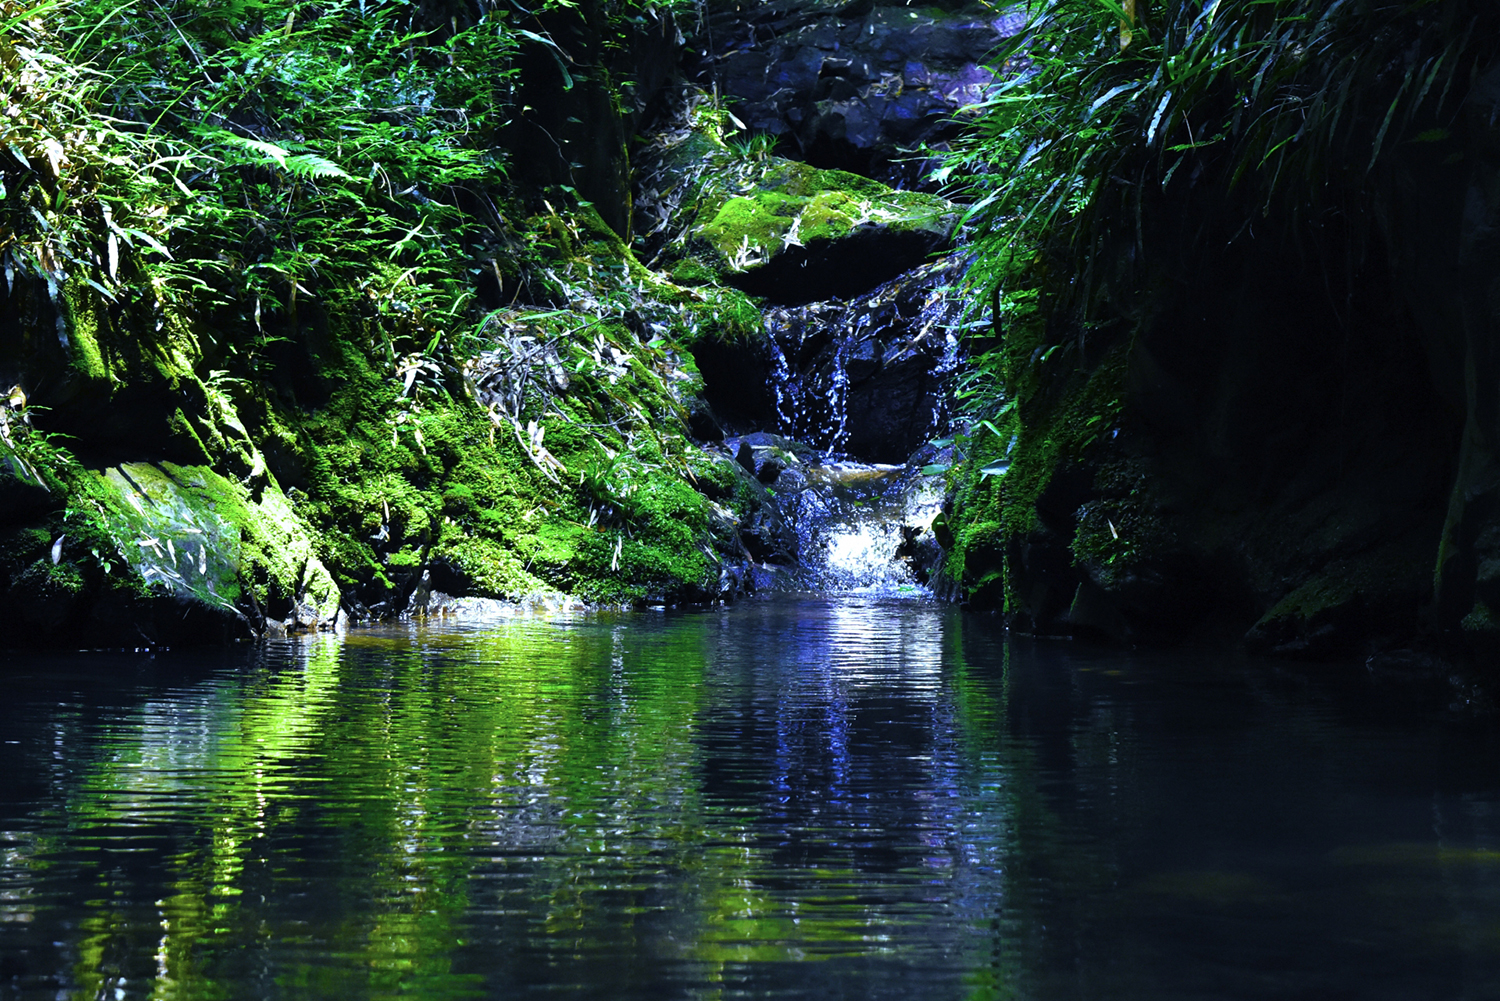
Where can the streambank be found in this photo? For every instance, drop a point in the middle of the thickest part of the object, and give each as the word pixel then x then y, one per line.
pixel 1242 389
pixel 267 378
pixel 609 304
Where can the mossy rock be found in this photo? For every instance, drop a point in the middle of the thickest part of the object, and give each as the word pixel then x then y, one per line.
pixel 1351 607
pixel 796 204
pixel 203 538
pixel 802 234
pixel 777 228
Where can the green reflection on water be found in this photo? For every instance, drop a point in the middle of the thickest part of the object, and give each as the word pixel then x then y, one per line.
pixel 429 813
pixel 439 763
pixel 662 806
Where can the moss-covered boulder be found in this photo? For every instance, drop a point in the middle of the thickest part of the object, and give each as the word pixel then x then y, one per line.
pixel 1349 607
pixel 152 553
pixel 303 376
pixel 777 228
pixel 203 538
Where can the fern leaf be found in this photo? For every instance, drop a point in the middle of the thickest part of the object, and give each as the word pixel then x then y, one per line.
pixel 311 166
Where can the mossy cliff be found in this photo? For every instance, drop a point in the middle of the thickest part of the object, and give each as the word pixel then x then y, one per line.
pixel 332 334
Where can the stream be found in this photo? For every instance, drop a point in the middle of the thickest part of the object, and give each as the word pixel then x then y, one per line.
pixel 862 795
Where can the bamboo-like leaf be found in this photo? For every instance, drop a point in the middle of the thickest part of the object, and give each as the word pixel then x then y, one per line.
pixel 1161 109
pixel 1100 102
pixel 1385 123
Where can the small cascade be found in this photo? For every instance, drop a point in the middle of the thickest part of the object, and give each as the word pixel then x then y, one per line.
pixel 865 527
pixel 868 378
pixel 857 526
pixel 806 359
pixel 859 390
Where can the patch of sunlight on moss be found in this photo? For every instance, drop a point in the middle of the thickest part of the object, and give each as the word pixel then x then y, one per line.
pixel 202 536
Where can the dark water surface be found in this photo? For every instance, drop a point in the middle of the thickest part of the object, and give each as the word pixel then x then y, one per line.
pixel 833 797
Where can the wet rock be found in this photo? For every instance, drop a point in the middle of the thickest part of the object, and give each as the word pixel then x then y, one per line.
pixel 703 424
pixel 920 550
pixel 745 456
pixel 1236 498
pixel 167 555
pixel 790 480
pixel 870 379
pixel 23 494
pixel 770 470
pixel 853 85
pixel 861 525
pixel 761 532
pixel 1350 607
pixel 1408 666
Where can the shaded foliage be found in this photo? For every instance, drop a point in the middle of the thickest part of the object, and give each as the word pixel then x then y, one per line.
pixel 1247 112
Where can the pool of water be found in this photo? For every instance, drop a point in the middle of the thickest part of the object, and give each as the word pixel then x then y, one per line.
pixel 802 797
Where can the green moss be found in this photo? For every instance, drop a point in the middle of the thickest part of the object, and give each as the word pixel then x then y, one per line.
pixel 1337 608
pixel 82 309
pixel 493 569
pixel 270 324
pixel 397 483
pixel 691 271
pixel 740 207
pixel 735 316
pixel 192 532
pixel 1059 417
pixel 758 222
pixel 1481 620
pixel 1122 526
pixel 1316 597
pixel 796 204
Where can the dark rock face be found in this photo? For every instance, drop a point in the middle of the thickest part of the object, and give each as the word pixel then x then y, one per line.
pixel 842 268
pixel 1277 471
pixel 851 85
pixel 575 127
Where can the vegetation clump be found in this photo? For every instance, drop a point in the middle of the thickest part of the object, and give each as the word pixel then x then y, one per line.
pixel 267 271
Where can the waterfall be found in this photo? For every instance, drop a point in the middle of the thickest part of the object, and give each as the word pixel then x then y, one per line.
pixel 860 390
